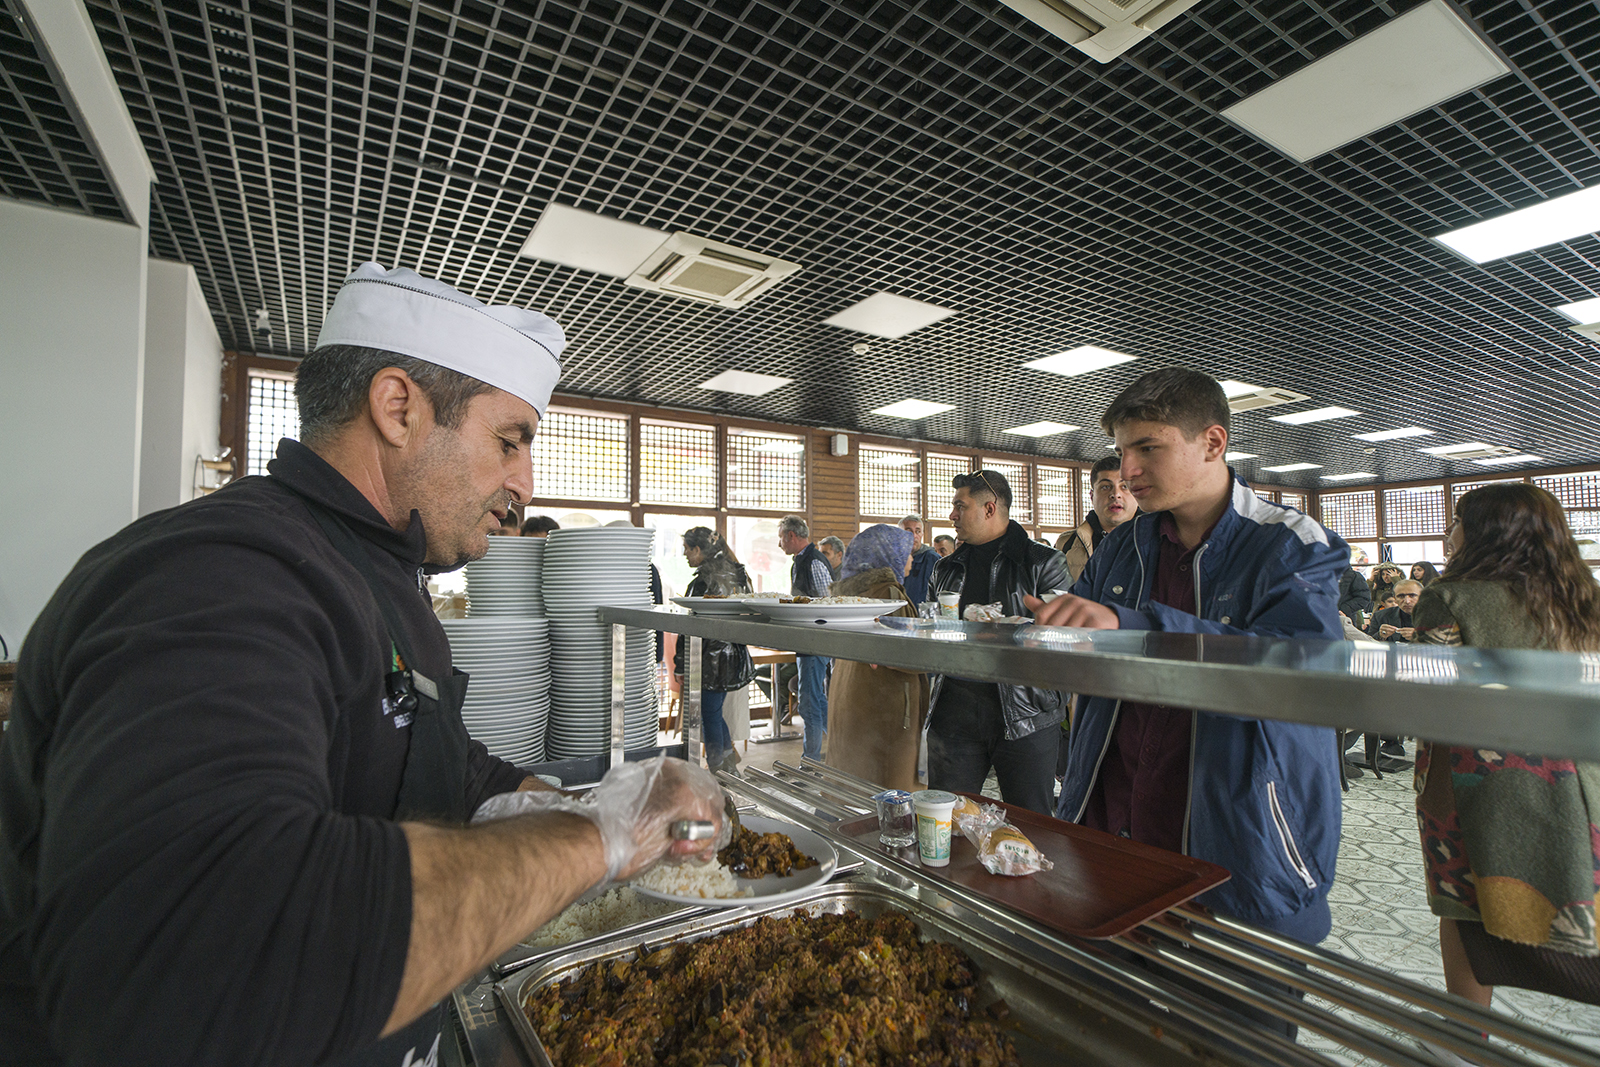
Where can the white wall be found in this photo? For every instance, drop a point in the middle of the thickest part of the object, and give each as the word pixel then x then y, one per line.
pixel 182 386
pixel 72 310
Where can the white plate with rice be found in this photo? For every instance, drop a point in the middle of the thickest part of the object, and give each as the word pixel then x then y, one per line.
pixel 712 885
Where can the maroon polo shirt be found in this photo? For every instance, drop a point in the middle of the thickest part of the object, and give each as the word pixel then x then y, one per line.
pixel 1143 788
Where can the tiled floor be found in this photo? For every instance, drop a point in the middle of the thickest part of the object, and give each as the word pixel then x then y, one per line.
pixel 1380 912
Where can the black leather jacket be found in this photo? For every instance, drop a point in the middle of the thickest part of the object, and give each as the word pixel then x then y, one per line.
pixel 724 666
pixel 1022 567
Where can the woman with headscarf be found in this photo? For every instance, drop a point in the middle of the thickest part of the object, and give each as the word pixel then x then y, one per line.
pixel 1424 572
pixel 876 713
pixel 724 666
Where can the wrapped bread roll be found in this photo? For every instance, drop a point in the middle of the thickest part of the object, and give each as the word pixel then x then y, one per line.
pixel 1002 848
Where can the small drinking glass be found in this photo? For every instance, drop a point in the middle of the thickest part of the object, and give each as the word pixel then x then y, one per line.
pixel 897 825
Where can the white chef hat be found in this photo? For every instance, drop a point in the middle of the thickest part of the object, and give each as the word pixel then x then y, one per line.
pixel 400 311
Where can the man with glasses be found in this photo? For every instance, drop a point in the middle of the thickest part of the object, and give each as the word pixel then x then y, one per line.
pixel 1113 505
pixel 975 726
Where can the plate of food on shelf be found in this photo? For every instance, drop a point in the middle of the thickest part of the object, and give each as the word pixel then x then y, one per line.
pixel 825 610
pixel 767 862
pixel 714 605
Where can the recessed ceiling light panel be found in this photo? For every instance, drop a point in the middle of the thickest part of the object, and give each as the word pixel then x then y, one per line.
pixel 588 241
pixel 1300 418
pixel 1545 223
pixel 747 382
pixel 1040 429
pixel 1352 476
pixel 1496 461
pixel 1582 312
pixel 1393 435
pixel 1410 63
pixel 1293 467
pixel 1080 360
pixel 887 315
pixel 1231 388
pixel 1231 456
pixel 912 409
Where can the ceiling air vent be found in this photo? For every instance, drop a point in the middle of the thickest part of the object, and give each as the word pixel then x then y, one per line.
pixel 1103 28
pixel 709 272
pixel 1590 330
pixel 1263 398
pixel 1482 451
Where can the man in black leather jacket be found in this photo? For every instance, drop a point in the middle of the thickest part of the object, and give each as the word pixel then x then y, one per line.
pixel 973 725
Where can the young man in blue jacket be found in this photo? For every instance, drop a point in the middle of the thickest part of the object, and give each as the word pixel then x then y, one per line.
pixel 1207 555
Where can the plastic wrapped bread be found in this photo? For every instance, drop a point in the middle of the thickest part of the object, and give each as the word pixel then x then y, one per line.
pixel 1002 848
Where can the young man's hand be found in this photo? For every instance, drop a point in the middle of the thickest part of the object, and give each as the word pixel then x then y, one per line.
pixel 1069 610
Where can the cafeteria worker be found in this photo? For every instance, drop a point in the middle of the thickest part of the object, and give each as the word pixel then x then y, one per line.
pixel 236 790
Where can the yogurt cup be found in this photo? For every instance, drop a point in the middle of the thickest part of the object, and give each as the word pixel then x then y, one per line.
pixel 933 808
pixel 950 605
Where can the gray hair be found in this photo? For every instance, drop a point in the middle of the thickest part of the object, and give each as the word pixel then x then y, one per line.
pixel 911 518
pixel 794 524
pixel 332 383
pixel 831 542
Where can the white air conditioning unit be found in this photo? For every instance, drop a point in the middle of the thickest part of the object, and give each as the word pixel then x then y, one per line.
pixel 1263 398
pixel 1590 330
pixel 1103 28
pixel 710 272
pixel 1471 453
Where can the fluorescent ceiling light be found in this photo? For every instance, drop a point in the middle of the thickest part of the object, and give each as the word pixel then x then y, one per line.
pixel 782 448
pixel 747 382
pixel 1080 360
pixel 1232 389
pixel 912 409
pixel 1448 450
pixel 1294 467
pixel 588 241
pixel 1409 64
pixel 1231 456
pixel 887 315
pixel 1495 461
pixel 1545 223
pixel 1393 435
pixel 1348 477
pixel 1582 312
pixel 893 459
pixel 1040 429
pixel 1300 418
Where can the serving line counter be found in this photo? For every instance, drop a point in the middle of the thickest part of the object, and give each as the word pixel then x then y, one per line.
pixel 1101 1001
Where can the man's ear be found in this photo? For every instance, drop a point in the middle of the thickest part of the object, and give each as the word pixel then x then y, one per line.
pixel 1216 442
pixel 396 405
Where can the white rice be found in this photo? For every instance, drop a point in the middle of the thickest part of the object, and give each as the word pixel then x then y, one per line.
pixel 612 910
pixel 704 880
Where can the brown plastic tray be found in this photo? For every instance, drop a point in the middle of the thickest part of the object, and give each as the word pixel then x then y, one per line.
pixel 1101 886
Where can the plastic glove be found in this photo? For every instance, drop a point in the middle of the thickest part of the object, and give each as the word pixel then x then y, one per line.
pixel 634 807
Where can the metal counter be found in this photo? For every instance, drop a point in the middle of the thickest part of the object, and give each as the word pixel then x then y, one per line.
pixel 1544 703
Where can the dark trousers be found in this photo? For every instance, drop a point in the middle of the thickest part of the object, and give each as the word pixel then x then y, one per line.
pixel 967 736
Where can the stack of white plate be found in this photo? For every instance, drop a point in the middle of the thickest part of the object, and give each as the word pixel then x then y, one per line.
pixel 584 569
pixel 508 695
pixel 506 582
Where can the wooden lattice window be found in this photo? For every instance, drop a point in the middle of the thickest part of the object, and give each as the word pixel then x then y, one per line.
pixel 766 471
pixel 1020 475
pixel 581 455
pixel 888 482
pixel 1573 490
pixel 1058 497
pixel 940 469
pixel 677 464
pixel 273 413
pixel 1299 501
pixel 1413 512
pixel 1353 515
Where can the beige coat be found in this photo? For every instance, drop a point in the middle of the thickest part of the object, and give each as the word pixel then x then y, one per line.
pixel 1077 545
pixel 875 714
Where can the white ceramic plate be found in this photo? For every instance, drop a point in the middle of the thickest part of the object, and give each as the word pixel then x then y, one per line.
pixel 771 889
pixel 824 614
pixel 714 605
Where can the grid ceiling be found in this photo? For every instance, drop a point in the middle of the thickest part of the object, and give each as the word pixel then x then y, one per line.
pixel 949 152
pixel 43 155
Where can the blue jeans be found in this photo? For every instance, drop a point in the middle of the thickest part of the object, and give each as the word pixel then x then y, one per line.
pixel 713 727
pixel 814 702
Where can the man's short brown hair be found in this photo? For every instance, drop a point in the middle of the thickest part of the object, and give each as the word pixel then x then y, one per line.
pixel 1175 396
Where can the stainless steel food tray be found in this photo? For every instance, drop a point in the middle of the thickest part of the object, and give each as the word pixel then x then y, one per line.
pixel 1054 1015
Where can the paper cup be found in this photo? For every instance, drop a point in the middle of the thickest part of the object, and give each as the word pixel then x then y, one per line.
pixel 950 605
pixel 933 808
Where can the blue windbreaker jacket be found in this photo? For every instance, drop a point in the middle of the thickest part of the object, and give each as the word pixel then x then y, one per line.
pixel 1264 798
